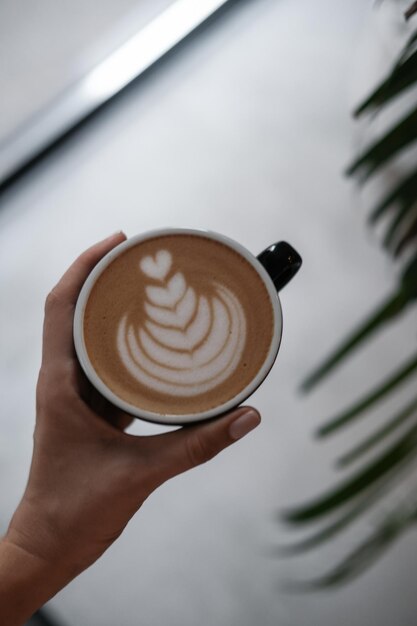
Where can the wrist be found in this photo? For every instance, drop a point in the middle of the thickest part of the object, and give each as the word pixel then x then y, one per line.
pixel 39 530
pixel 27 581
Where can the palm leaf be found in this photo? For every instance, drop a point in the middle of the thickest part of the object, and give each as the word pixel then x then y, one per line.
pixel 410 12
pixel 402 77
pixel 404 195
pixel 407 238
pixel 409 280
pixel 389 309
pixel 407 413
pixel 328 532
pixel 353 496
pixel 386 312
pixel 403 450
pixel 355 510
pixel 400 137
pixel 371 549
pixel 376 395
pixel 408 209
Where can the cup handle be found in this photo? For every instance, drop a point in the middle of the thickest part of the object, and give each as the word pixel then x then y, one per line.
pixel 281 262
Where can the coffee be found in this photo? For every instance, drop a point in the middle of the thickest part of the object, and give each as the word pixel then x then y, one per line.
pixel 178 324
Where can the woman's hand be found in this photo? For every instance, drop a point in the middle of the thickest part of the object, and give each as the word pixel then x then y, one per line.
pixel 88 477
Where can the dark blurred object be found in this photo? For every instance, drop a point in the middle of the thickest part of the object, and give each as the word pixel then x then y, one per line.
pixel 42 618
pixel 411 11
pixel 343 504
pixel 281 262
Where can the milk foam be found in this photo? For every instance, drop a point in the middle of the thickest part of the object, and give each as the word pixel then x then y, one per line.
pixel 189 343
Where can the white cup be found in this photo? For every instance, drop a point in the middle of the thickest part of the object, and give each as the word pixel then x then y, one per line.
pixel 275 266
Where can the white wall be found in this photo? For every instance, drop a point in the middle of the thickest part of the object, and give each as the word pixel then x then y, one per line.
pixel 45 46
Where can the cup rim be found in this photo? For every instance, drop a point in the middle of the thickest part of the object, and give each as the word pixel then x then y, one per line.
pixel 171 418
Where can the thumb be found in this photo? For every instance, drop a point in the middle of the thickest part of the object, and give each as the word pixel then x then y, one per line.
pixel 180 450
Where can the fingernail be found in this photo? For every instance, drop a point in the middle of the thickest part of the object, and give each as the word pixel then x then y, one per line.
pixel 113 235
pixel 246 422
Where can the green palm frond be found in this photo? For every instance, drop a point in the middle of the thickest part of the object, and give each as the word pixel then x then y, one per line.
pixel 403 195
pixel 386 312
pixel 398 138
pixel 353 496
pixel 387 386
pixel 402 77
pixel 410 12
pixel 404 450
pixel 398 222
pixel 335 527
pixel 407 413
pixel 395 524
pixel 406 238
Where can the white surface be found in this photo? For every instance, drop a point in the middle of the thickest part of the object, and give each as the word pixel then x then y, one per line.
pixel 245 132
pixel 49 45
pixel 63 105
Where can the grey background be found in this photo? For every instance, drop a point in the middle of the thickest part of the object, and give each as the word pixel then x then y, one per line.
pixel 46 46
pixel 245 131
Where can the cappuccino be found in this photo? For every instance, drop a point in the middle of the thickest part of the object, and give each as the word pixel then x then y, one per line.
pixel 178 324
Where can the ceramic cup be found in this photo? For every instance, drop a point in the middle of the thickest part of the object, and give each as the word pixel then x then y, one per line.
pixel 276 266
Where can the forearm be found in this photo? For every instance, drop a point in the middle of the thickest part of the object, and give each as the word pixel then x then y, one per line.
pixel 26 583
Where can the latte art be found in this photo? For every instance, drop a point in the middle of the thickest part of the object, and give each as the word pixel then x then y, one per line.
pixel 178 325
pixel 188 343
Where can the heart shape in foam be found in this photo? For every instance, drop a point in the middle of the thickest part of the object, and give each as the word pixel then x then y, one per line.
pixel 157 267
pixel 168 296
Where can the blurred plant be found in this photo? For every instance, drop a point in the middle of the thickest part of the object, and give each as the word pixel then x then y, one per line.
pixel 357 493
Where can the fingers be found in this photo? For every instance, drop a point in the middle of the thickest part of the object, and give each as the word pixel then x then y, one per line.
pixel 182 449
pixel 60 304
pixel 68 288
